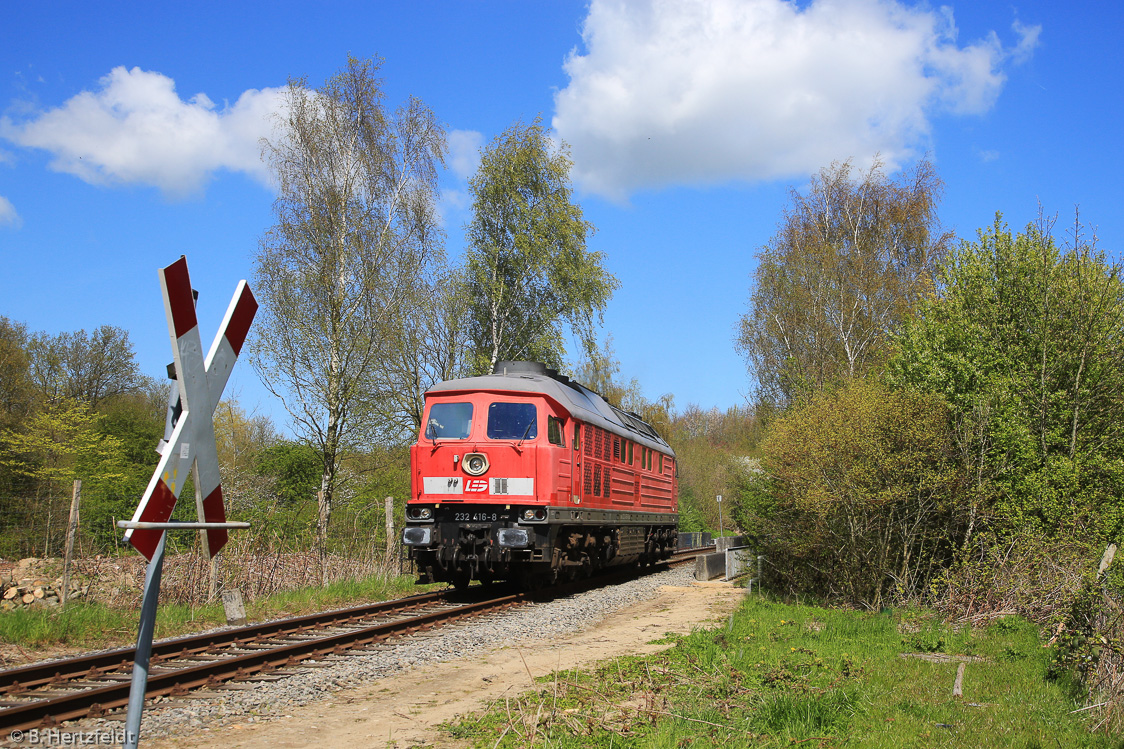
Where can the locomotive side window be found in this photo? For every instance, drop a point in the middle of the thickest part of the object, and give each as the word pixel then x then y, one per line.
pixel 577 436
pixel 449 421
pixel 512 421
pixel 554 431
pixel 630 452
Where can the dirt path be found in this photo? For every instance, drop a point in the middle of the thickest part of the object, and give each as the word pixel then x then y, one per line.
pixel 403 711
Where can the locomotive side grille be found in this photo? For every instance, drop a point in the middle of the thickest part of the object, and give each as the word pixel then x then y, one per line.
pixel 600 448
pixel 608 448
pixel 590 432
pixel 597 481
pixel 606 485
pixel 588 480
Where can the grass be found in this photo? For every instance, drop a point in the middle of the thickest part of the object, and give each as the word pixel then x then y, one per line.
pixel 95 625
pixel 782 675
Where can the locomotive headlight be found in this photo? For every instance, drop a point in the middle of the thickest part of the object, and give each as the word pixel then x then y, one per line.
pixel 419 513
pixel 417 536
pixel 513 538
pixel 475 464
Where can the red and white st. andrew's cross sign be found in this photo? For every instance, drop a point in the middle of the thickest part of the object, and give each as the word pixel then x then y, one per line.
pixel 192 442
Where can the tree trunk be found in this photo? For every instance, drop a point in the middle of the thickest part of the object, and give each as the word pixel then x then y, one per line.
pixel 323 517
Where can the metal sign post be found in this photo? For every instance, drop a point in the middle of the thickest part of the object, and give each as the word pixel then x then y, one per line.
pixel 720 531
pixel 147 626
pixel 188 445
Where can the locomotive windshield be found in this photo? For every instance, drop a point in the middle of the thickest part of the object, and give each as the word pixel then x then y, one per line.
pixel 512 421
pixel 449 421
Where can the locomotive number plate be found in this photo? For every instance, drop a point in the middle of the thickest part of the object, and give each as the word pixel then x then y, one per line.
pixel 479 517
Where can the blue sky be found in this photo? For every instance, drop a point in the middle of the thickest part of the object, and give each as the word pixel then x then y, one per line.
pixel 128 137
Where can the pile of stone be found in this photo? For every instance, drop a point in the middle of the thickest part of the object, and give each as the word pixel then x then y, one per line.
pixel 23 585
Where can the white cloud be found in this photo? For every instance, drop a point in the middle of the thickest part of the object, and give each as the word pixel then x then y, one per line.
pixel 1028 41
pixel 706 91
pixel 8 215
pixel 464 153
pixel 135 129
pixel 463 160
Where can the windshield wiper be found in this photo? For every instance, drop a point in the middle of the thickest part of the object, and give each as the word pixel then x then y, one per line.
pixel 431 433
pixel 525 433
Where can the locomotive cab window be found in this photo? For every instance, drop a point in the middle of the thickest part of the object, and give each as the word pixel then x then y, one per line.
pixel 512 421
pixel 554 431
pixel 449 421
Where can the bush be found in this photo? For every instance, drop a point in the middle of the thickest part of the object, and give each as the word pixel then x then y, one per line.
pixel 860 500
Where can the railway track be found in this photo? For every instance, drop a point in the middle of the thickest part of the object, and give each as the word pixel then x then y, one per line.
pixel 43 695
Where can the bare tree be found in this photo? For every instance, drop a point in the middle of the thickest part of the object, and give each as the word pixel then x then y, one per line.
pixel 356 227
pixel 426 348
pixel 849 261
pixel 88 368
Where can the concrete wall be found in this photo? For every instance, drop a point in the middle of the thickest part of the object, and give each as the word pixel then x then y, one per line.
pixel 729 542
pixel 710 566
pixel 690 540
pixel 694 540
pixel 739 562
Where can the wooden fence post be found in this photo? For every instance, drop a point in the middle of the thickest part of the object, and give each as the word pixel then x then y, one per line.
pixel 389 527
pixel 71 532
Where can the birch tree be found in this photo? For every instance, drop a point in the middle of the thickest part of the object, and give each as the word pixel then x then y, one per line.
pixel 355 226
pixel 530 273
pixel 849 261
pixel 427 348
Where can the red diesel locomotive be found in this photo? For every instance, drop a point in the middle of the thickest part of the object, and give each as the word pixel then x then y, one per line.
pixel 525 475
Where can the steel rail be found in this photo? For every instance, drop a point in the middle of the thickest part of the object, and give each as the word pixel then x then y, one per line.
pixel 56 672
pixel 96 701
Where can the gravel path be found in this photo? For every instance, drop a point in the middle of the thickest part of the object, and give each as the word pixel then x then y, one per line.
pixel 265 700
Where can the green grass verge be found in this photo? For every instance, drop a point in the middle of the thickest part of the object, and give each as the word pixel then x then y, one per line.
pixel 788 675
pixel 92 625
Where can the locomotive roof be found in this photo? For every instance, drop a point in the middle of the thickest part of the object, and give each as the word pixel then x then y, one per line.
pixel 580 401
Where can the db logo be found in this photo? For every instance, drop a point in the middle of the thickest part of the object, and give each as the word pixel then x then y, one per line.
pixel 476 485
